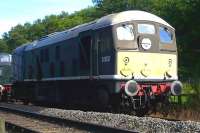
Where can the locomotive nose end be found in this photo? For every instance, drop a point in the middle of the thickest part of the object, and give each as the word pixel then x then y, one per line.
pixel 176 88
pixel 131 88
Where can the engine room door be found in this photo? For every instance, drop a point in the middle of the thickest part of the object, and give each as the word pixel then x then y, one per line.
pixel 87 54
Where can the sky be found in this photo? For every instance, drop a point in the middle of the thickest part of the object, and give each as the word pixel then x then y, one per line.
pixel 13 12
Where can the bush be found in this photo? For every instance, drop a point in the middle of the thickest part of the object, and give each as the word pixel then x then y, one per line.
pixel 190 97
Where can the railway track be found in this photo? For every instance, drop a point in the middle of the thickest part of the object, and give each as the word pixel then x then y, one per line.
pixel 50 122
pixel 164 118
pixel 13 128
pixel 18 123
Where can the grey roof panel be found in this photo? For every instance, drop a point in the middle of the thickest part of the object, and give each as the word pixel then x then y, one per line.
pixel 102 22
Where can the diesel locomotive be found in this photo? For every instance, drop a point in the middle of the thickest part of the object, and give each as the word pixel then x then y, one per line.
pixel 5 76
pixel 126 59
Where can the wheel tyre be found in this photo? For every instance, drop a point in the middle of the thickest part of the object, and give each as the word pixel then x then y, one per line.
pixel 115 103
pixel 141 112
pixel 1 99
pixel 25 102
pixel 4 97
pixel 102 99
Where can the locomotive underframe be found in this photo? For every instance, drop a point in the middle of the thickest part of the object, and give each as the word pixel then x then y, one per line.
pixel 149 93
pixel 94 93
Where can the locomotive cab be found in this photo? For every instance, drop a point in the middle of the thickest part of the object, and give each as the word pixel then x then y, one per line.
pixel 146 58
pixel 140 56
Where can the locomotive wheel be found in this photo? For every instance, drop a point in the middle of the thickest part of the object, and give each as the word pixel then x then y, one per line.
pixel 141 112
pixel 115 103
pixel 1 99
pixel 4 97
pixel 25 101
pixel 102 99
pixel 1 92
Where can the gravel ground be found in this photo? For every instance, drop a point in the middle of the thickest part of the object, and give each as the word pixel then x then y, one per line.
pixel 141 124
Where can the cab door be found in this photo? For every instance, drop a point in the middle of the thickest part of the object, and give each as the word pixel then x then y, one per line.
pixel 95 51
pixel 106 52
pixel 86 42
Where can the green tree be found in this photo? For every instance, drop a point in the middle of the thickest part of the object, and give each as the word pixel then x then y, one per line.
pixel 16 37
pixel 3 46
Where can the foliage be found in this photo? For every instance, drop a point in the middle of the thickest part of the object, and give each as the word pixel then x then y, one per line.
pixel 3 46
pixel 192 89
pixel 189 100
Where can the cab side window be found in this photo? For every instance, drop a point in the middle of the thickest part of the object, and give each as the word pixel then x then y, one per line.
pixel 104 42
pixel 167 39
pixel 85 52
pixel 166 35
pixel 125 32
pixel 125 36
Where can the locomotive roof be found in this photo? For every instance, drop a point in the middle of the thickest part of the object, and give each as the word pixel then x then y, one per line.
pixel 100 23
pixel 129 16
pixel 20 49
pixel 4 54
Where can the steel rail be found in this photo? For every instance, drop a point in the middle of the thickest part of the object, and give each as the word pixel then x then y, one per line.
pixel 164 118
pixel 67 122
pixel 19 129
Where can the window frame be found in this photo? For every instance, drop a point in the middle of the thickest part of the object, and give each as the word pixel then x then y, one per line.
pixel 125 44
pixel 104 40
pixel 166 47
pixel 144 23
pixel 172 34
pixel 85 52
pixel 122 26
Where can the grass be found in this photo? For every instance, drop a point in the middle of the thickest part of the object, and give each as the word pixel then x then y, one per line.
pixel 191 95
pixel 187 106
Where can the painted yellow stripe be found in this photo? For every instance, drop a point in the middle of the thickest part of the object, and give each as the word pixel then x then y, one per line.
pixel 144 65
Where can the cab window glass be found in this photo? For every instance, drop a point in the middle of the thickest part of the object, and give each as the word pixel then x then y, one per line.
pixel 5 58
pixel 125 32
pixel 166 36
pixel 146 29
pixel 105 41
